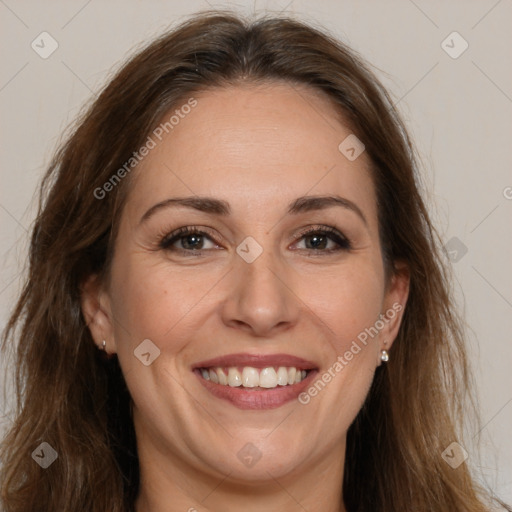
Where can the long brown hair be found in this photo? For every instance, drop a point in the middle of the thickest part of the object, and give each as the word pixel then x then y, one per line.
pixel 77 402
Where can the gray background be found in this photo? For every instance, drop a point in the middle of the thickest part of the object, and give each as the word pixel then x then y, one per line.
pixel 458 111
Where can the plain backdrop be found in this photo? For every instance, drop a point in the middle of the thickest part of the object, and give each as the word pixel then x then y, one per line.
pixel 457 105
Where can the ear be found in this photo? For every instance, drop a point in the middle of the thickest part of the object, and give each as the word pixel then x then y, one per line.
pixel 97 312
pixel 395 299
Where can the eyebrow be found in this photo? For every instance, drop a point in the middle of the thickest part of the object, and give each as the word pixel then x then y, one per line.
pixel 220 207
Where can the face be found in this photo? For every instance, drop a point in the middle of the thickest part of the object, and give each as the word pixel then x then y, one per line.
pixel 278 283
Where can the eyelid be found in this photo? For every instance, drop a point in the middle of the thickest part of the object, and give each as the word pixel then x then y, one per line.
pixel 164 242
pixel 314 228
pixel 343 243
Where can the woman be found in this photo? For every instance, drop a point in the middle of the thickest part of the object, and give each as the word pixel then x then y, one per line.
pixel 235 295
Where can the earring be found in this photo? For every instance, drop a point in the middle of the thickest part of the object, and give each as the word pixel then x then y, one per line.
pixel 103 346
pixel 384 356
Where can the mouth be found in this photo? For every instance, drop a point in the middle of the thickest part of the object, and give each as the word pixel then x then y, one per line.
pixel 251 381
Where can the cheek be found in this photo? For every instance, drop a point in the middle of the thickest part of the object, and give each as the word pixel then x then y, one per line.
pixel 157 301
pixel 348 303
pixel 153 304
pixel 149 302
pixel 348 300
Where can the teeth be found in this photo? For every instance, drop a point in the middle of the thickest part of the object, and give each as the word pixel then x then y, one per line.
pixel 268 378
pixel 222 377
pixel 251 377
pixel 234 378
pixel 213 376
pixel 282 376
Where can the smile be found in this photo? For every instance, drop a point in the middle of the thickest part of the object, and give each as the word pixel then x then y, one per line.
pixel 256 381
pixel 251 378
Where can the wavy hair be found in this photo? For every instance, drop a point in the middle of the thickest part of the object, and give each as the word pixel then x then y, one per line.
pixel 71 398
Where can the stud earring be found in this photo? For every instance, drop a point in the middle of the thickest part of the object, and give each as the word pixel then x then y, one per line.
pixel 103 346
pixel 384 356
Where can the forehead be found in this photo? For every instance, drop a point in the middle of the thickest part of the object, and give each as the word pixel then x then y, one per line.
pixel 256 146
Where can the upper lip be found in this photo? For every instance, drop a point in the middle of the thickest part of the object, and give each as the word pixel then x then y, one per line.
pixel 257 361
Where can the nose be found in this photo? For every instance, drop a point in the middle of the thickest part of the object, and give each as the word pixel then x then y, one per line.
pixel 262 301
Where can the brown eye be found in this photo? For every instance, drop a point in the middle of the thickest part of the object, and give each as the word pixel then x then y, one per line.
pixel 187 239
pixel 325 239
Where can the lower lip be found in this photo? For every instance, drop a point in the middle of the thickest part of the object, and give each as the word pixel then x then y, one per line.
pixel 247 398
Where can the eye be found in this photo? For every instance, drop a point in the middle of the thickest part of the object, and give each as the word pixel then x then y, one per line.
pixel 324 239
pixel 188 239
pixel 192 240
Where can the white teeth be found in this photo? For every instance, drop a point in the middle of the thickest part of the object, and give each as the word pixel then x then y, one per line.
pixel 282 376
pixel 222 377
pixel 234 378
pixel 250 377
pixel 213 376
pixel 268 378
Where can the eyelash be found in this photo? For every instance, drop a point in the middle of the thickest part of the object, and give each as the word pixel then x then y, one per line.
pixel 168 240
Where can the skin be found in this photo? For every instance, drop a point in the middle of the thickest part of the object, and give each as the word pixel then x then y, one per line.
pixel 259 148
